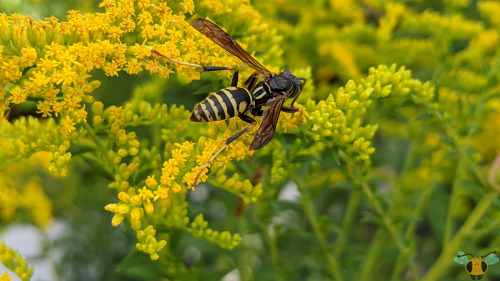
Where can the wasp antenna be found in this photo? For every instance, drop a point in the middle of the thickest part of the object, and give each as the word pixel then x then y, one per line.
pixel 176 61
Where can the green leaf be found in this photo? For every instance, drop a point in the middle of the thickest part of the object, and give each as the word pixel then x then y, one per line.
pixel 335 153
pixel 409 218
pixel 80 149
pixel 207 89
pixel 493 200
pixel 372 218
pixel 446 139
pixel 435 98
pixel 139 265
pixel 469 184
pixel 424 116
pixel 468 130
pixel 210 85
pixel 437 211
pixel 346 185
pixel 406 103
pixel 494 96
pixel 304 158
pixel 98 166
pixel 328 226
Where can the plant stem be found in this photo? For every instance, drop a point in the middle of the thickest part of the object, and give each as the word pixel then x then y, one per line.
pixel 352 207
pixel 382 214
pixel 449 250
pixel 373 255
pixel 308 207
pixel 398 267
pixel 332 262
pixel 100 146
pixel 450 132
pixel 404 257
pixel 449 218
pixel 273 251
pixel 419 207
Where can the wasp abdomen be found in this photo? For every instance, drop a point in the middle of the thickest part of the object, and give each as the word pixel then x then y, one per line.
pixel 224 104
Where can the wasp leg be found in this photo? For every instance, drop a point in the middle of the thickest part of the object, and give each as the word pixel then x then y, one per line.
pixel 291 105
pixel 290 109
pixel 251 81
pixel 245 118
pixel 283 108
pixel 258 113
pixel 303 80
pixel 204 68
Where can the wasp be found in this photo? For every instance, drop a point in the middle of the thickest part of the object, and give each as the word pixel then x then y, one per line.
pixel 265 98
pixel 476 267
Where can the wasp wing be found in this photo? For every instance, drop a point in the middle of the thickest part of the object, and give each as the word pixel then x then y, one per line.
pixel 491 258
pixel 460 258
pixel 221 38
pixel 270 119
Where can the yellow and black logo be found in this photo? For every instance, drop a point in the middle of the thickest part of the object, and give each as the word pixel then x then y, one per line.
pixel 476 267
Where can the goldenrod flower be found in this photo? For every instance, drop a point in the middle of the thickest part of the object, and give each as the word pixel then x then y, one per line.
pixel 11 259
pixel 6 277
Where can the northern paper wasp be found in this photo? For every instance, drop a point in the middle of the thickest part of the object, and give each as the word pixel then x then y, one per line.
pixel 265 98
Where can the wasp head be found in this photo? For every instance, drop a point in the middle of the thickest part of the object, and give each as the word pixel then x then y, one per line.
pixel 288 83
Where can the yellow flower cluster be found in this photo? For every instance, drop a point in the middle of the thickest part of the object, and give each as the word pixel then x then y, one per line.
pixel 50 61
pixel 339 118
pixel 490 9
pixel 30 135
pixel 148 243
pixel 433 23
pixel 487 143
pixel 244 189
pixel 165 196
pixel 162 193
pixel 22 193
pixel 5 277
pixel 15 262
pixel 199 228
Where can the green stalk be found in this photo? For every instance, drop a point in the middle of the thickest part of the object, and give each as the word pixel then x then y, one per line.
pixel 373 256
pixel 383 215
pixel 308 207
pixel 419 208
pixel 445 259
pixel 243 254
pixel 398 267
pixel 273 251
pixel 100 146
pixel 332 262
pixel 352 207
pixel 403 257
pixel 449 220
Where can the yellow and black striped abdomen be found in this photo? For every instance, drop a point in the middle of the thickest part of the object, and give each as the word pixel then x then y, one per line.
pixel 224 104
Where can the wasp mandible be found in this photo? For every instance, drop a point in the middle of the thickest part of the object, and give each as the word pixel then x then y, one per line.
pixel 265 98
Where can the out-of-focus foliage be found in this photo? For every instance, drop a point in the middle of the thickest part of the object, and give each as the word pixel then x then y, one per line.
pixel 391 168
